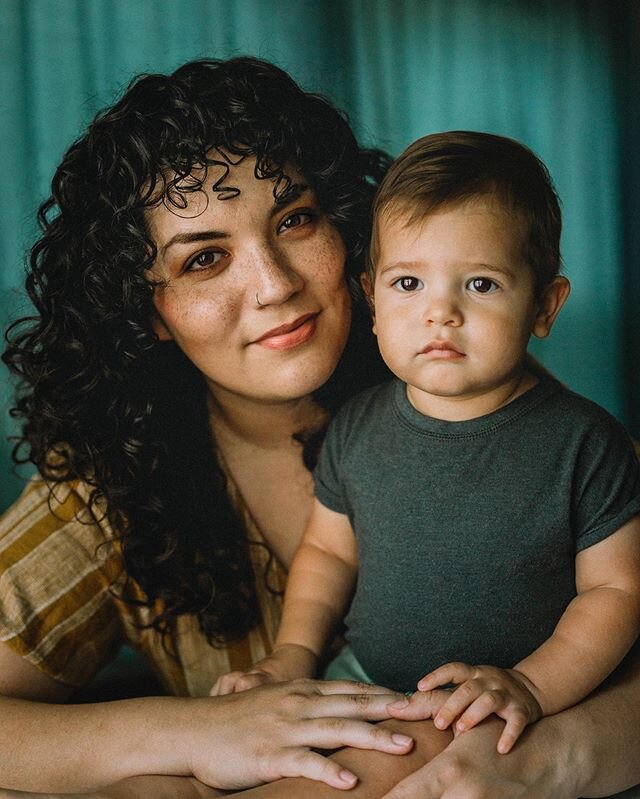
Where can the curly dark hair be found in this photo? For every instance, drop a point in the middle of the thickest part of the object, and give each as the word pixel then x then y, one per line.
pixel 93 394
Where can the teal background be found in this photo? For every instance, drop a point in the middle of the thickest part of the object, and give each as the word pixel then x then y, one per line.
pixel 561 75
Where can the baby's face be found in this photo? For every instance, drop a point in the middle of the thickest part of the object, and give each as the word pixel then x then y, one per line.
pixel 454 306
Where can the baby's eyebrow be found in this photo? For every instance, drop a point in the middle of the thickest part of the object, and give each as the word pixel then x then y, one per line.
pixel 497 268
pixel 399 266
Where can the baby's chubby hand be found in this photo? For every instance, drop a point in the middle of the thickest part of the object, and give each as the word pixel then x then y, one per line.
pixel 286 662
pixel 481 692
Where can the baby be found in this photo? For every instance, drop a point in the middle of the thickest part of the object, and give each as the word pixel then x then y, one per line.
pixel 472 511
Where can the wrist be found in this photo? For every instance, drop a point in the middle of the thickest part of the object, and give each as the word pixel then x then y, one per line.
pixel 536 692
pixel 169 737
pixel 300 658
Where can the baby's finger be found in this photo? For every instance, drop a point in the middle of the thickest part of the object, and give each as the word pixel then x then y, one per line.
pixel 418 706
pixel 225 684
pixel 449 673
pixel 458 702
pixel 252 679
pixel 487 703
pixel 516 722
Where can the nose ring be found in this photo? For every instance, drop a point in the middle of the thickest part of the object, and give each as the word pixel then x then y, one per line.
pixel 260 305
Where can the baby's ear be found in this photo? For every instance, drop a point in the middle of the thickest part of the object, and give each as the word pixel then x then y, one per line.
pixel 553 298
pixel 367 288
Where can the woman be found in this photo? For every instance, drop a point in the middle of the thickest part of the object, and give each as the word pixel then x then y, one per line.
pixel 195 329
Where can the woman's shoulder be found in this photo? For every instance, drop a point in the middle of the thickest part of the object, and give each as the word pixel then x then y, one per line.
pixel 57 565
pixel 45 509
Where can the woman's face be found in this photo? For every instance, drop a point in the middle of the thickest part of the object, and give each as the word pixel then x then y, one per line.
pixel 252 291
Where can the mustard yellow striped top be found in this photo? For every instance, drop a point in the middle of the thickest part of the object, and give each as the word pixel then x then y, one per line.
pixel 57 609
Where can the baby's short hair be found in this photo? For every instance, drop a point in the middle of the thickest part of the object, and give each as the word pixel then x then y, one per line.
pixel 445 169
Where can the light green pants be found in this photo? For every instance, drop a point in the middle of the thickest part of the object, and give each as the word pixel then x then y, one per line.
pixel 345 666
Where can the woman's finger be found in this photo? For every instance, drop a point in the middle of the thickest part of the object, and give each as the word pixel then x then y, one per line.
pixel 351 687
pixel 330 733
pixel 373 707
pixel 304 763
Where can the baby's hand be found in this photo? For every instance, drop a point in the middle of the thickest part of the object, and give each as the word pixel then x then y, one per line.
pixel 286 662
pixel 481 691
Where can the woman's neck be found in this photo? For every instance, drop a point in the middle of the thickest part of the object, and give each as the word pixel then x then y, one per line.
pixel 267 425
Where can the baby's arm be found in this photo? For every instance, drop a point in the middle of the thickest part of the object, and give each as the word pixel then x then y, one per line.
pixel 593 635
pixel 598 627
pixel 319 587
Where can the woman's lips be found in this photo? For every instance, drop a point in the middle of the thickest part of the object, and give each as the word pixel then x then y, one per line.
pixel 285 337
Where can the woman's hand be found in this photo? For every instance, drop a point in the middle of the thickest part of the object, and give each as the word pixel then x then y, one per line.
pixel 272 731
pixel 286 662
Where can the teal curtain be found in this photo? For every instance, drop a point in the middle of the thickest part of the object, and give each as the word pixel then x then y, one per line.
pixel 561 75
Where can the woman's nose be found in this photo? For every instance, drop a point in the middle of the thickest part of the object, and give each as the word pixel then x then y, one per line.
pixel 277 279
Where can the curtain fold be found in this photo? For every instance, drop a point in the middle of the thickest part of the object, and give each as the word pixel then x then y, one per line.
pixel 561 75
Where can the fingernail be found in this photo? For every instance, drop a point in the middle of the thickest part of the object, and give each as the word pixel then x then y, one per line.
pixel 460 726
pixel 421 685
pixel 347 777
pixel 399 704
pixel 401 740
pixel 440 723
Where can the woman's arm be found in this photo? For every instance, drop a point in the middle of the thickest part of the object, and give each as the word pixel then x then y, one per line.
pixel 227 742
pixel 590 750
pixel 134 788
pixel 319 586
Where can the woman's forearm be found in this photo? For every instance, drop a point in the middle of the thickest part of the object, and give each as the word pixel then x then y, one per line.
pixel 80 748
pixel 605 732
pixel 134 788
pixel 227 742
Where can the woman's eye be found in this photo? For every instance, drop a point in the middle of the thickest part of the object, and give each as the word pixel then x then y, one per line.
pixel 204 260
pixel 482 285
pixel 295 220
pixel 408 284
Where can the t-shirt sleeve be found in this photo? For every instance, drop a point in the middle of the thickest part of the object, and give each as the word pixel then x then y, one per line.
pixel 607 483
pixel 328 472
pixel 56 570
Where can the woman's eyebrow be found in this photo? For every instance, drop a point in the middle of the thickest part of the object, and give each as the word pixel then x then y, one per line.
pixel 188 238
pixel 294 194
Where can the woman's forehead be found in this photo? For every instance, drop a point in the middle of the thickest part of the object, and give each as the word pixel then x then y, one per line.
pixel 222 194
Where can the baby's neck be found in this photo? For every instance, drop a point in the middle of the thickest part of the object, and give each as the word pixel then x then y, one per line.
pixel 462 409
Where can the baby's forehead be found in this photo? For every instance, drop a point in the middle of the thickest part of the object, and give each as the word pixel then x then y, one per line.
pixel 410 211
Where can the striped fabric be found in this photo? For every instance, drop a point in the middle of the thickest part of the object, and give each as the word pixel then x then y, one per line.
pixel 57 610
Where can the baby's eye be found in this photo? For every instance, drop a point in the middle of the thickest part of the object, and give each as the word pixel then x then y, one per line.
pixel 482 285
pixel 407 284
pixel 295 220
pixel 204 260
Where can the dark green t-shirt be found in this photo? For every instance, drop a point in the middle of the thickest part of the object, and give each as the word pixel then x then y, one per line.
pixel 468 531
